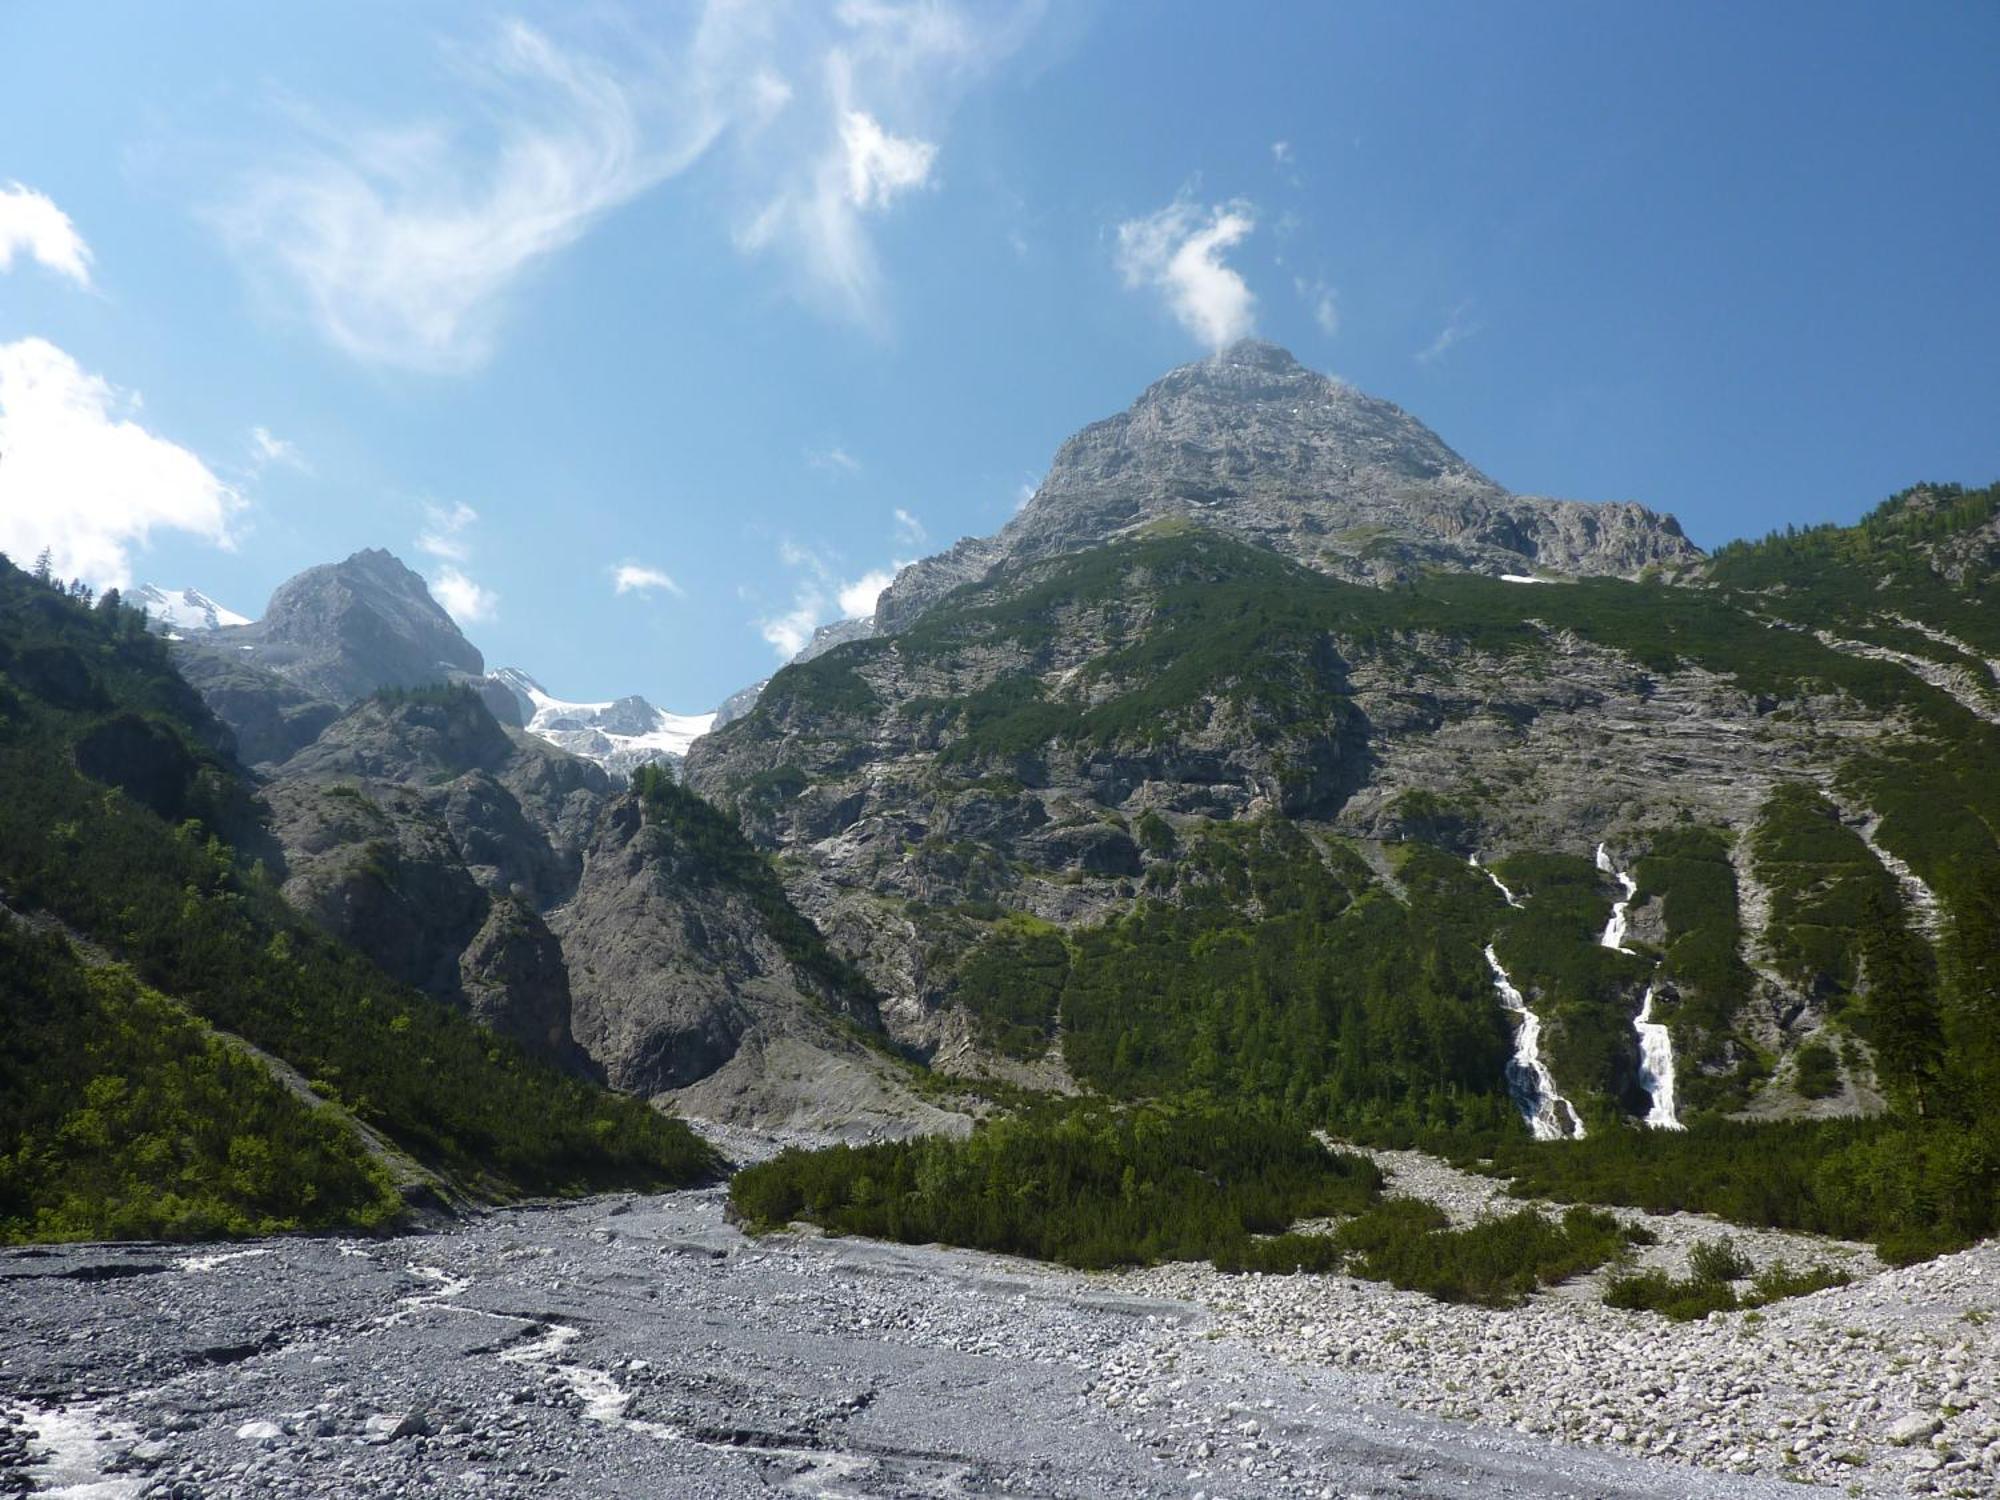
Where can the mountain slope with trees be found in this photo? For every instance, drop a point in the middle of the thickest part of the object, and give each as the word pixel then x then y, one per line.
pixel 130 835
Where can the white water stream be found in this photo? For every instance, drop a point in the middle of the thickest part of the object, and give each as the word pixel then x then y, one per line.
pixel 1656 1044
pixel 1497 881
pixel 1528 1077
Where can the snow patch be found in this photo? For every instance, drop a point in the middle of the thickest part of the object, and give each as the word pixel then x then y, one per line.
pixel 183 609
pixel 620 735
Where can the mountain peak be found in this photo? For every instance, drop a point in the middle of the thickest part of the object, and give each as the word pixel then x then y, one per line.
pixel 1250 442
pixel 342 630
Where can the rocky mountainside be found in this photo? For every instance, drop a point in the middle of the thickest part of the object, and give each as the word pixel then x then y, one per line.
pixel 181 1052
pixel 329 636
pixel 345 629
pixel 469 834
pixel 1265 634
pixel 511 879
pixel 1251 443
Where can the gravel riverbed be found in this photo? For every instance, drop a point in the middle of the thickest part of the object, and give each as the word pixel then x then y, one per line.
pixel 643 1347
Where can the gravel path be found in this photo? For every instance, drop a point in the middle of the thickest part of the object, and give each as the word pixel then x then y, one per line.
pixel 644 1348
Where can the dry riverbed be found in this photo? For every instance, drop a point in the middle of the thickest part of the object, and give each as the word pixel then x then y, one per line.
pixel 642 1347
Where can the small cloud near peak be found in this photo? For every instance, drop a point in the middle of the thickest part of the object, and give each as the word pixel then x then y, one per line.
pixel 1178 251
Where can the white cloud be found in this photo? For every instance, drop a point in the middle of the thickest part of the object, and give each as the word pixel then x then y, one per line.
pixel 87 483
pixel 821 595
pixel 788 633
pixel 445 538
pixel 1178 251
pixel 443 535
pixel 31 225
pixel 631 578
pixel 466 602
pixel 266 449
pixel 909 530
pixel 1458 327
pixel 857 599
pixel 401 242
pixel 881 166
pixel 1281 153
pixel 1324 304
pixel 835 459
pixel 876 81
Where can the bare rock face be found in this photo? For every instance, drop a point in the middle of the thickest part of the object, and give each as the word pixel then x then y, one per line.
pixel 685 987
pixel 428 837
pixel 1251 443
pixel 342 630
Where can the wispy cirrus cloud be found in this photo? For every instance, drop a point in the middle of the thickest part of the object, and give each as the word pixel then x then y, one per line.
pixel 833 460
pixel 32 225
pixel 1321 301
pixel 1178 252
pixel 267 449
pixel 401 242
pixel 82 479
pixel 1459 325
pixel 637 578
pixel 868 94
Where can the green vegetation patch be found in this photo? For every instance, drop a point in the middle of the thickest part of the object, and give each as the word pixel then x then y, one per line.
pixel 123 1117
pixel 1688 870
pixel 1715 1269
pixel 1089 1185
pixel 1496 1262
pixel 1012 986
pixel 1275 972
pixel 1837 920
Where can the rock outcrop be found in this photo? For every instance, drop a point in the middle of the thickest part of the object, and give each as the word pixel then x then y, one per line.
pixel 1251 443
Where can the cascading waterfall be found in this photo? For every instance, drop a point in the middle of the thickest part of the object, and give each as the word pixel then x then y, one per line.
pixel 1656 1044
pixel 1499 884
pixel 1614 930
pixel 1528 1077
pixel 1656 1067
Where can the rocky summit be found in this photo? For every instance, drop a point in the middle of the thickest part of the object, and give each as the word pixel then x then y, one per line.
pixel 1251 443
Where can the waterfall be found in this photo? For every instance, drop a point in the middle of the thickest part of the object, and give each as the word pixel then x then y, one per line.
pixel 1656 1045
pixel 1506 894
pixel 1656 1067
pixel 1528 1077
pixel 1614 930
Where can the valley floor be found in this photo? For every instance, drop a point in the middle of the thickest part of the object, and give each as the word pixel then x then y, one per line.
pixel 642 1347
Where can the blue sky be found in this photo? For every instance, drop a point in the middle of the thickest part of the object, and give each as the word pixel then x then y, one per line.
pixel 765 299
